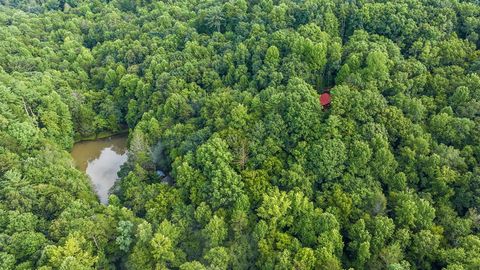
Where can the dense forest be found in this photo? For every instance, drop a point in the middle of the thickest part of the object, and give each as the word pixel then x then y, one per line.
pixel 223 96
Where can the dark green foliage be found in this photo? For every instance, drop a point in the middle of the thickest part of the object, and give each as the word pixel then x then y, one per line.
pixel 222 96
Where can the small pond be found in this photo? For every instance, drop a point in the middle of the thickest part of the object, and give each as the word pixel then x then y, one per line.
pixel 101 160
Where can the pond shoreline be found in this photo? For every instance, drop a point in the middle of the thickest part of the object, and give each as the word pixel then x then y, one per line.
pixel 101 135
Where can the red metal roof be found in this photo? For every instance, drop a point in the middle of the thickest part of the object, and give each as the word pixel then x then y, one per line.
pixel 325 99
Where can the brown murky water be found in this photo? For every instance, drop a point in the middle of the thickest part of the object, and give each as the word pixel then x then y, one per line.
pixel 101 160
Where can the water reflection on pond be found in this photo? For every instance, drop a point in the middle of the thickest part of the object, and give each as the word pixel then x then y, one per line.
pixel 101 160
